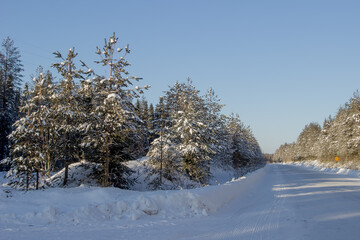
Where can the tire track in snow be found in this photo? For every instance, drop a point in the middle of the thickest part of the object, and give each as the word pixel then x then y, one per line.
pixel 254 217
pixel 256 221
pixel 268 218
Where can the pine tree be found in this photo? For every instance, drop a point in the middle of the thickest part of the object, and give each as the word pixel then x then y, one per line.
pixel 22 166
pixel 172 101
pixel 144 115
pixel 67 111
pixel 138 108
pixel 194 143
pixel 10 79
pixel 151 113
pixel 113 123
pixel 163 155
pixel 215 122
pixel 86 96
pixel 244 148
pixel 161 115
pixel 32 138
pixel 165 159
pixel 337 138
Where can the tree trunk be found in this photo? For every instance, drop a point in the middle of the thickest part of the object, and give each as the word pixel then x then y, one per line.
pixel 161 158
pixel 107 166
pixel 66 175
pixel 37 180
pixel 27 180
pixel 67 156
pixel 107 163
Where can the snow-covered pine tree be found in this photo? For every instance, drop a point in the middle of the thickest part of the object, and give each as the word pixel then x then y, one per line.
pixel 67 111
pixel 172 101
pixel 32 138
pixel 339 137
pixel 113 125
pixel 144 110
pixel 163 155
pixel 144 115
pixel 215 122
pixel 194 143
pixel 86 96
pixel 138 109
pixel 10 80
pixel 161 116
pixel 151 112
pixel 43 93
pixel 244 148
pixel 21 171
pixel 307 141
pixel 165 160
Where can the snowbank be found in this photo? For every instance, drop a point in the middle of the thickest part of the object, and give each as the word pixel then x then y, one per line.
pixel 320 166
pixel 141 177
pixel 215 197
pixel 220 174
pixel 89 205
pixel 81 173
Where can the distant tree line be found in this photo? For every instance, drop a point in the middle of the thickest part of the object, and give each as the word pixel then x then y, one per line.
pixel 10 81
pixel 337 137
pixel 87 117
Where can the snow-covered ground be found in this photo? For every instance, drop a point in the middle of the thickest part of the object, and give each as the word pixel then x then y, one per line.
pixel 275 202
pixel 338 168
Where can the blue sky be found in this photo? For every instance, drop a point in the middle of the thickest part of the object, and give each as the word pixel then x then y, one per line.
pixel 279 64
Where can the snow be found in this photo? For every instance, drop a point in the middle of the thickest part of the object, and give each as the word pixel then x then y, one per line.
pixel 337 168
pixel 219 175
pixel 276 202
pixel 80 174
pixel 85 206
pixel 113 95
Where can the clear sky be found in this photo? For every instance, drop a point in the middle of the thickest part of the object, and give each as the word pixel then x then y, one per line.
pixel 279 64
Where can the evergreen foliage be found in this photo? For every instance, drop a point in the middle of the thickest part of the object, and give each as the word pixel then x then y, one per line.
pixel 89 118
pixel 66 111
pixel 244 147
pixel 338 137
pixel 32 148
pixel 10 80
pixel 192 132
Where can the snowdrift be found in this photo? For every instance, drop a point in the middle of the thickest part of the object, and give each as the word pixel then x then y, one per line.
pixel 88 205
pixel 327 167
pixel 81 173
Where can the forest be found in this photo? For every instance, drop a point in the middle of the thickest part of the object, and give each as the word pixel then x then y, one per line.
pixel 79 116
pixel 336 141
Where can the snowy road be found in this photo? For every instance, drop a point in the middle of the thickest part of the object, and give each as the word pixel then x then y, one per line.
pixel 277 202
pixel 285 202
